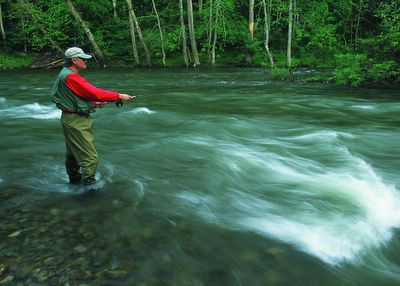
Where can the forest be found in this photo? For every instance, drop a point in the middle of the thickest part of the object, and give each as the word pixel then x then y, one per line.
pixel 358 39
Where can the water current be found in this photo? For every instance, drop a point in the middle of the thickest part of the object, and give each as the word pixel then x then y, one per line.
pixel 210 177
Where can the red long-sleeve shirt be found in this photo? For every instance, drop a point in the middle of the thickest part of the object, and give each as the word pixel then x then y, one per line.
pixel 84 89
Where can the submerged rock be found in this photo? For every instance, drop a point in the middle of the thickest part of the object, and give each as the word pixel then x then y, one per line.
pixel 3 268
pixel 80 248
pixel 7 280
pixel 15 234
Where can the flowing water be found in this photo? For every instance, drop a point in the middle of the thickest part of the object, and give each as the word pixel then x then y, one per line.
pixel 210 177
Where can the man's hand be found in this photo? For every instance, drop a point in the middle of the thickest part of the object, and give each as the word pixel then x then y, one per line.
pixel 126 97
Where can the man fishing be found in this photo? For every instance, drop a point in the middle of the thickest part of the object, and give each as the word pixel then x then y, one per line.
pixel 78 98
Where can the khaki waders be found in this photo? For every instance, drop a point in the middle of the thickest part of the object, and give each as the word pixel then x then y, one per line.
pixel 81 153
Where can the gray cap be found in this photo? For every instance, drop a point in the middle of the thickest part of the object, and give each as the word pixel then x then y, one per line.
pixel 76 53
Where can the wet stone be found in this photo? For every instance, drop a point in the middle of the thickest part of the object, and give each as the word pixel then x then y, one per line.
pixel 115 273
pixel 275 251
pixel 3 268
pixel 55 212
pixel 15 234
pixel 88 235
pixel 7 280
pixel 80 248
pixel 167 259
pixel 49 260
pixel 79 261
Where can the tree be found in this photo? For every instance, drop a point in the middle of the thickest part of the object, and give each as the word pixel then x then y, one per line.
pixel 251 19
pixel 114 3
pixel 89 34
pixel 246 30
pixel 388 40
pixel 290 31
pixel 215 34
pixel 139 31
pixel 133 39
pixel 183 33
pixel 267 25
pixel 210 30
pixel 28 9
pixel 161 33
pixel 3 33
pixel 219 13
pixel 192 33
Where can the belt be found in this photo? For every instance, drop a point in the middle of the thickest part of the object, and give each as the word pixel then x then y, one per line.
pixel 68 111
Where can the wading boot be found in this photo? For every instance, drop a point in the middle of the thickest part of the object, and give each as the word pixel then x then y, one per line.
pixel 75 180
pixel 90 184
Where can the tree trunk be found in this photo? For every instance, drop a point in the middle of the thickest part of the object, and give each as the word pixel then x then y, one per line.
pixel 161 34
pixel 89 34
pixel 184 42
pixel 24 34
pixel 139 31
pixel 251 19
pixel 133 39
pixel 215 34
pixel 358 23
pixel 289 43
pixel 114 3
pixel 192 33
pixel 3 33
pixel 267 25
pixel 214 44
pixel 27 9
pixel 200 5
pixel 210 31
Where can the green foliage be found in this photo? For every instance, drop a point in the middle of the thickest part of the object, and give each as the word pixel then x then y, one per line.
pixel 113 31
pixel 389 38
pixel 365 33
pixel 351 69
pixel 15 61
pixel 280 74
pixel 385 72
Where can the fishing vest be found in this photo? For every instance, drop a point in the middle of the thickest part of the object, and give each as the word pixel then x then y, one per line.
pixel 65 99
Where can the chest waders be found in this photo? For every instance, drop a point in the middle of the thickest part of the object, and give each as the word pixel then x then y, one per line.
pixel 80 150
pixel 81 154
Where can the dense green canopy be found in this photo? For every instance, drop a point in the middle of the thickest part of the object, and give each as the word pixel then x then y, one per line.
pixel 359 37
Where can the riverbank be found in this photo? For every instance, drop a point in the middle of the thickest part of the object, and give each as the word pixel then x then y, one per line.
pixel 379 77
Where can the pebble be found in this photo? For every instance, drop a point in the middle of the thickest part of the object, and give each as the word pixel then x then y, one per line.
pixel 49 260
pixel 80 248
pixel 54 212
pixel 275 251
pixel 115 273
pixel 88 235
pixel 7 280
pixel 3 268
pixel 15 234
pixel 46 247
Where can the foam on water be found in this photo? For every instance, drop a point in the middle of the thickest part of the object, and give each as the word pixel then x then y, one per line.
pixel 367 107
pixel 35 111
pixel 332 232
pixel 337 213
pixel 142 110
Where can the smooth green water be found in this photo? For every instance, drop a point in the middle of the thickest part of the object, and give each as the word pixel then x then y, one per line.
pixel 211 177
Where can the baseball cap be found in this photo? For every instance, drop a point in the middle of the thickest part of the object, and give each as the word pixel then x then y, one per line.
pixel 75 52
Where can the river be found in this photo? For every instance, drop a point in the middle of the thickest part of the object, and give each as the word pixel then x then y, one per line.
pixel 210 177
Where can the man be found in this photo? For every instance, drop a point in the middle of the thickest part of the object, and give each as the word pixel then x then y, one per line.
pixel 77 98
